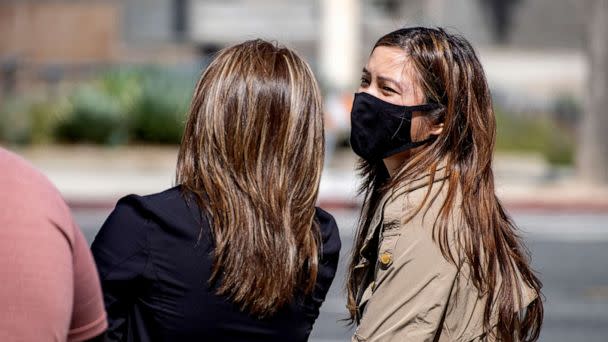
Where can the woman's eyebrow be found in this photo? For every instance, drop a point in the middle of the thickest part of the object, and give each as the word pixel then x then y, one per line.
pixel 384 79
pixel 390 80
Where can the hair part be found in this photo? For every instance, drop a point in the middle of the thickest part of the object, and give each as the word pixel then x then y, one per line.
pixel 450 74
pixel 252 155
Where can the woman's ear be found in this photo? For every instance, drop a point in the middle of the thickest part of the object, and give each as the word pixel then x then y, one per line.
pixel 436 129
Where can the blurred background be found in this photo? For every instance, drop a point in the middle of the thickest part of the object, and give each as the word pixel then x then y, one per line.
pixel 95 92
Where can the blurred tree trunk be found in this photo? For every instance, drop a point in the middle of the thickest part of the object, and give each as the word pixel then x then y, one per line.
pixel 593 153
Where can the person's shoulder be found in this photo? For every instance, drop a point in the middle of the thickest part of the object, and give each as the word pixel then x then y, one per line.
pixel 127 227
pixel 159 198
pixel 424 200
pixel 174 194
pixel 174 211
pixel 167 205
pixel 23 181
pixel 330 234
pixel 14 165
pixel 27 189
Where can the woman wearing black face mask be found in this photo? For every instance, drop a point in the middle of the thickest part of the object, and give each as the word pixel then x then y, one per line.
pixel 436 256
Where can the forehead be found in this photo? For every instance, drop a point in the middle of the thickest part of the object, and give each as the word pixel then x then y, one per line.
pixel 387 61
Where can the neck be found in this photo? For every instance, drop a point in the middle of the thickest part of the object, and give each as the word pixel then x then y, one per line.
pixel 394 163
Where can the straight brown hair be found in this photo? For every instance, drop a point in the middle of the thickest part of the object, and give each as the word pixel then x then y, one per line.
pixel 252 155
pixel 450 74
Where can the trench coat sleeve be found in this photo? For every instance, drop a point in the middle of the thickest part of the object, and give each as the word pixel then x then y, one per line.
pixel 411 295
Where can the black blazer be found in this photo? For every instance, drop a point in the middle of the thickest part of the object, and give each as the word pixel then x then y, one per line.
pixel 154 272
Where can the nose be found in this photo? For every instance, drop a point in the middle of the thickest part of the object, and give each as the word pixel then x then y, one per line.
pixel 369 90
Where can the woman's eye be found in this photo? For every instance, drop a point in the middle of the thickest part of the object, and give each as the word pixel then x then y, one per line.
pixel 388 89
pixel 364 81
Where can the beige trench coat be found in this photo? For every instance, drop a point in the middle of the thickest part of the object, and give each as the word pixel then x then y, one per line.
pixel 415 294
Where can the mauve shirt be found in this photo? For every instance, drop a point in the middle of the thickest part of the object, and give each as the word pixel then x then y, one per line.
pixel 49 287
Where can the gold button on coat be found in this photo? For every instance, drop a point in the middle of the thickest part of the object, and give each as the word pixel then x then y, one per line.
pixel 386 259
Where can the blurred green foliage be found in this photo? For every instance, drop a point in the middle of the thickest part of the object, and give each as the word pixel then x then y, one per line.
pixel 30 120
pixel 14 124
pixel 139 104
pixel 149 105
pixel 535 133
pixel 159 113
pixel 94 117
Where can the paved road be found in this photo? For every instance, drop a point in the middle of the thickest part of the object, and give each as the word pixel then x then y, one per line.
pixel 570 251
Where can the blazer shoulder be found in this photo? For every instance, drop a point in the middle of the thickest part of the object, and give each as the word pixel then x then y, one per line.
pixel 330 234
pixel 172 210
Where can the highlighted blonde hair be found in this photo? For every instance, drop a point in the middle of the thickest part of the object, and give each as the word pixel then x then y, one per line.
pixel 252 155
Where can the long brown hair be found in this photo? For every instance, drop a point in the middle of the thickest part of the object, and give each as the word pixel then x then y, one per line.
pixel 450 74
pixel 252 155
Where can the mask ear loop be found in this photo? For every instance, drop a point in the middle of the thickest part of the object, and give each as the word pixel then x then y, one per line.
pixel 399 128
pixel 420 108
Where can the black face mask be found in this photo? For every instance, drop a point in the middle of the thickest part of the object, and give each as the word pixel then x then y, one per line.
pixel 380 129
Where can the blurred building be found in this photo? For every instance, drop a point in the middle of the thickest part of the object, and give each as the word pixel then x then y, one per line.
pixel 59 31
pixel 531 24
pixel 48 42
pixel 40 38
pixel 54 40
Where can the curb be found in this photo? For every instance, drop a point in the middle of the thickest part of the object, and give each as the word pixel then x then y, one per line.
pixel 519 206
pixel 573 207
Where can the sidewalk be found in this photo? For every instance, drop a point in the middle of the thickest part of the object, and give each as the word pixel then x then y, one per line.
pixel 91 177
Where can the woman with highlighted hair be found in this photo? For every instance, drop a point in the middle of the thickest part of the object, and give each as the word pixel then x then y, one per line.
pixel 436 257
pixel 237 251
